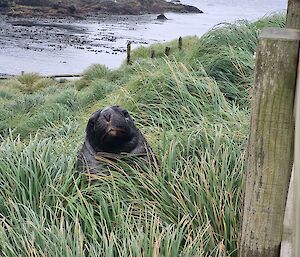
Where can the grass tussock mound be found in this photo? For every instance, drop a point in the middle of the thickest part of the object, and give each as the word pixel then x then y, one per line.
pixel 193 107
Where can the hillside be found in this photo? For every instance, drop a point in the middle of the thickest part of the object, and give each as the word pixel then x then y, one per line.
pixel 193 107
pixel 84 7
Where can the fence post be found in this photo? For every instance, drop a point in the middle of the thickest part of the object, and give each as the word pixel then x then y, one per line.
pixel 296 243
pixel 293 14
pixel 180 43
pixel 167 51
pixel 291 231
pixel 287 247
pixel 270 146
pixel 128 53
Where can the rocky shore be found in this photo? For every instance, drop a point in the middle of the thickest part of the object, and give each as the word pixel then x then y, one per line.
pixel 83 8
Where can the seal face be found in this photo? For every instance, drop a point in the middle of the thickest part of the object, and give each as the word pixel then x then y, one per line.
pixel 111 131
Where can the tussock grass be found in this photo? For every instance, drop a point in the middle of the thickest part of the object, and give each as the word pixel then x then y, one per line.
pixel 192 106
pixel 96 71
pixel 31 82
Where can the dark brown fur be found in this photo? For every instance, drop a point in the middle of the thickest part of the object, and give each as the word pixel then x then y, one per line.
pixel 111 132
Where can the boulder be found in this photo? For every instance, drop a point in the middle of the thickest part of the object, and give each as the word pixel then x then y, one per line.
pixel 161 17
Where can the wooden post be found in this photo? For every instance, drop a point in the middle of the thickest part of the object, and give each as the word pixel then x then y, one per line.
pixel 296 220
pixel 128 53
pixel 167 51
pixel 270 146
pixel 293 14
pixel 180 43
pixel 291 237
pixel 286 248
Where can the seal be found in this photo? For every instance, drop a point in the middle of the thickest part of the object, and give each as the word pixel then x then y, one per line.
pixel 111 132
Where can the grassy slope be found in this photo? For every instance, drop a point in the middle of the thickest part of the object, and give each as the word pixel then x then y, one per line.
pixel 193 107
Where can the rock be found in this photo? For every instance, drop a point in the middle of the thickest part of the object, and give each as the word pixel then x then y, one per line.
pixel 190 9
pixel 161 17
pixel 93 7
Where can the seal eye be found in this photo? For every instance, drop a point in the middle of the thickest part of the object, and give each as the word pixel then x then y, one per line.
pixel 92 124
pixel 126 114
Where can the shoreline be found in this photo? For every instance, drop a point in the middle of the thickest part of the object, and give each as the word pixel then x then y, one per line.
pixel 62 42
pixel 40 48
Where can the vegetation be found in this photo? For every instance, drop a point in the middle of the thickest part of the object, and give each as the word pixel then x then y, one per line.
pixel 193 108
pixel 6 3
pixel 34 2
pixel 81 8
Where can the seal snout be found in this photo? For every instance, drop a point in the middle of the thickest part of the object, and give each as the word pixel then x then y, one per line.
pixel 107 114
pixel 107 117
pixel 113 122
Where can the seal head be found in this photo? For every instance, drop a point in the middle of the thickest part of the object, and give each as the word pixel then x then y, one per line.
pixel 112 130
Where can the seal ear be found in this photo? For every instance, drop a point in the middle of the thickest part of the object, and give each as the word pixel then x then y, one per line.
pixel 92 121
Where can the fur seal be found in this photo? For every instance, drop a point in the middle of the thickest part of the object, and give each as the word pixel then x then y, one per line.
pixel 111 132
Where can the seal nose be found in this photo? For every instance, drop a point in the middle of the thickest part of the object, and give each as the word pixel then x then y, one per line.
pixel 107 116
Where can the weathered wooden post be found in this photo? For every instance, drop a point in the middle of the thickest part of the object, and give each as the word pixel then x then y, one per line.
pixel 290 245
pixel 270 147
pixel 286 248
pixel 180 43
pixel 293 14
pixel 167 51
pixel 296 214
pixel 128 53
